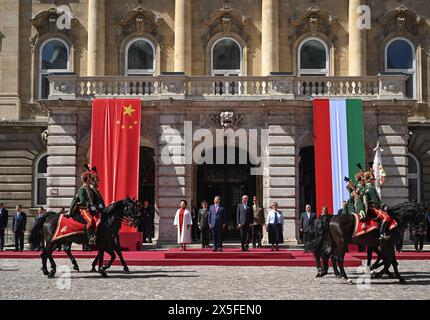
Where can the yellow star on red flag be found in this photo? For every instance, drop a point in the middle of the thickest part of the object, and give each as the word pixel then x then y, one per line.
pixel 128 110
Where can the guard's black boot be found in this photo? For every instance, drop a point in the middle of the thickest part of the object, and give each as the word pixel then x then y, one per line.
pixel 92 237
pixel 382 231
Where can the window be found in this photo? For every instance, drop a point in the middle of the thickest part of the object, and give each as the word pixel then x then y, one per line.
pixel 226 58
pixel 54 57
pixel 400 58
pixel 140 57
pixel 40 180
pixel 414 178
pixel 313 57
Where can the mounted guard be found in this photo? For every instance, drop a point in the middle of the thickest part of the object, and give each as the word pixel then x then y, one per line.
pixel 359 193
pixel 373 203
pixel 89 203
pixel 349 206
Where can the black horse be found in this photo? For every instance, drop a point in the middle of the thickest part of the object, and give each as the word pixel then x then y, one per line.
pixel 115 226
pixel 105 235
pixel 335 233
pixel 321 246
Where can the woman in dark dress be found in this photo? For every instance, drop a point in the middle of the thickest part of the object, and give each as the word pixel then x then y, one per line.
pixel 203 218
pixel 275 226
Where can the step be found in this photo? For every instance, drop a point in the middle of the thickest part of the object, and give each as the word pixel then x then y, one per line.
pixel 228 255
pixel 232 262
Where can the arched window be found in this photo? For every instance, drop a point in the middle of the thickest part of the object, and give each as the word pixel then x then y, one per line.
pixel 40 180
pixel 414 178
pixel 54 57
pixel 400 58
pixel 226 58
pixel 313 57
pixel 140 57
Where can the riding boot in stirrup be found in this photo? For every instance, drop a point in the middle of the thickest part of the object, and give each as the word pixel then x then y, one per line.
pixel 383 236
pixel 362 215
pixel 92 237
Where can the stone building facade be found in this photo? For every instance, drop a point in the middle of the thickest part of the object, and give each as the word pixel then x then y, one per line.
pixel 193 60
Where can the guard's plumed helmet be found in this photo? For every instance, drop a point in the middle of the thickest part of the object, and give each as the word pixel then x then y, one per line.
pixel 369 175
pixel 350 185
pixel 89 175
pixel 359 176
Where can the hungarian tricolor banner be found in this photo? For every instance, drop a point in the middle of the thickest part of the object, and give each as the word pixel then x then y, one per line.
pixel 339 146
pixel 115 146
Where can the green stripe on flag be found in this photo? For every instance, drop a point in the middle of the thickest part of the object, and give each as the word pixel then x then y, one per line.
pixel 354 118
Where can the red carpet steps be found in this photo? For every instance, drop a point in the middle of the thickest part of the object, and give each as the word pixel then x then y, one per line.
pixel 205 257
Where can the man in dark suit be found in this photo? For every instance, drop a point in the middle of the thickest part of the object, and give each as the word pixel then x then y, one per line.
pixel 40 214
pixel 340 211
pixel 3 224
pixel 19 223
pixel 306 220
pixel 147 222
pixel 244 218
pixel 217 220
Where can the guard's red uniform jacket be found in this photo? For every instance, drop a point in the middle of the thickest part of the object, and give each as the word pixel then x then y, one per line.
pixel 385 217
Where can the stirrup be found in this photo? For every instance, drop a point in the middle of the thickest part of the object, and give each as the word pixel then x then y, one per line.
pixel 92 240
pixel 384 237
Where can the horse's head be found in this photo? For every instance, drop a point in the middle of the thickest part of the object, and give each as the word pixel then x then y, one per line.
pixel 412 213
pixel 130 208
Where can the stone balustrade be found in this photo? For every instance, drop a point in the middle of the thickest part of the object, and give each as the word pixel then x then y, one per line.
pixel 181 87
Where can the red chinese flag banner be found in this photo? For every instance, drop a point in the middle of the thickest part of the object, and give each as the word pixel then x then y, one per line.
pixel 115 146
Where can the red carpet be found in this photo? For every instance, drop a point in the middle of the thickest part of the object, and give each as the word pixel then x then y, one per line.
pixel 205 257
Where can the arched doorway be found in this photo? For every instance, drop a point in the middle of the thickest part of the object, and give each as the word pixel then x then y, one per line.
pixel 307 194
pixel 231 182
pixel 147 175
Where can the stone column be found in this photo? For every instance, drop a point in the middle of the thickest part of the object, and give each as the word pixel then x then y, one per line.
pixel 279 185
pixel 10 101
pixel 357 41
pixel 173 178
pixel 393 137
pixel 183 36
pixel 269 37
pixel 96 38
pixel 61 184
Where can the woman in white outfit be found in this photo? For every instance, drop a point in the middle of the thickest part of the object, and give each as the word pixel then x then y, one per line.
pixel 275 226
pixel 183 222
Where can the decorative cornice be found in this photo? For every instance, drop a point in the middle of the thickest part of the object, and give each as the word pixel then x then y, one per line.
pixel 226 21
pixel 313 20
pixel 401 20
pixel 46 22
pixel 141 21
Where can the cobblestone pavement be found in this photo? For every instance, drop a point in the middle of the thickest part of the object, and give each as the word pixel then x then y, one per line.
pixel 22 279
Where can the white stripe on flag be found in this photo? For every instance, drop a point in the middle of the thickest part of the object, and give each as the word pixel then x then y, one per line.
pixel 339 151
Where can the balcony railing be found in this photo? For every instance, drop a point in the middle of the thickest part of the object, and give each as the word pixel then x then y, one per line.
pixel 73 87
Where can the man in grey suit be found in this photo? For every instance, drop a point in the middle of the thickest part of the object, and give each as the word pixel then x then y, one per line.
pixel 306 220
pixel 244 217
pixel 3 224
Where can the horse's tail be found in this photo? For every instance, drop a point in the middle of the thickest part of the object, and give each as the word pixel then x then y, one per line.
pixel 322 232
pixel 36 233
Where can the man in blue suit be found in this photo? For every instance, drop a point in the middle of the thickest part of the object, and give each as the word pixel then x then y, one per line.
pixel 19 223
pixel 3 224
pixel 217 221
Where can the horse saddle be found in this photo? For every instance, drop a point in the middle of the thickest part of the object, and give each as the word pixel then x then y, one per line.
pixel 67 226
pixel 363 227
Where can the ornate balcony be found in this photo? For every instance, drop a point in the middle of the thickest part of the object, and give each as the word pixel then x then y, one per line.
pixel 179 87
